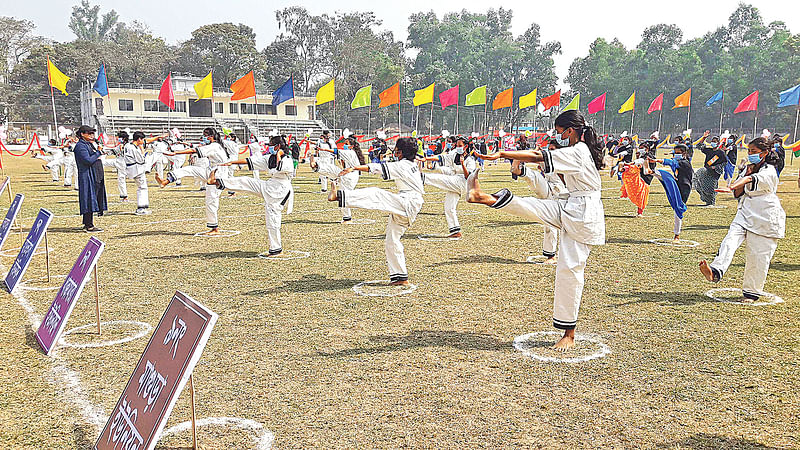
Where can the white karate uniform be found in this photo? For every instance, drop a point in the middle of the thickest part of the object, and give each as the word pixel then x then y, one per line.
pixel 70 168
pixel 208 158
pixel 277 192
pixel 546 186
pixel 136 167
pixel 580 218
pixel 402 207
pixel 329 169
pixel 52 155
pixel 324 157
pixel 255 150
pixel 177 161
pixel 760 221
pixel 159 159
pixel 454 185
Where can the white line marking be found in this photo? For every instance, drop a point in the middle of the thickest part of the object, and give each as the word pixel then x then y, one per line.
pixel 771 299
pixel 381 288
pixel 685 243
pixel 437 237
pixel 222 233
pixel 519 344
pixel 285 255
pixel 262 437
pixel 24 285
pixel 144 329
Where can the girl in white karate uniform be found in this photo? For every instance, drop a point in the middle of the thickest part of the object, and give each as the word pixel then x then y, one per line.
pixel 255 149
pixel 456 165
pixel 760 221
pixel 349 155
pixel 579 218
pixel 210 156
pixel 548 186
pixel 402 207
pixel 52 153
pixel 136 168
pixel 324 143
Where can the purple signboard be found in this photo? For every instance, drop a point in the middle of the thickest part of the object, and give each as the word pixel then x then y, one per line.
pixel 5 227
pixel 159 377
pixel 58 314
pixel 25 255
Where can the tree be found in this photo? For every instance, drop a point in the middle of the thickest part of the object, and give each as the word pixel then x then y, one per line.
pixel 309 35
pixel 87 24
pixel 228 49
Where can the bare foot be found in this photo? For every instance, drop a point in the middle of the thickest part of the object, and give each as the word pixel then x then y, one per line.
pixel 313 164
pixel 457 234
pixel 212 232
pixel 272 255
pixel 212 177
pixel 550 261
pixel 566 342
pixel 705 269
pixel 161 183
pixel 332 194
pixel 746 300
pixel 676 240
pixel 399 283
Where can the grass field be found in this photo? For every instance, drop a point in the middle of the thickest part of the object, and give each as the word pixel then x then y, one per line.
pixel 296 350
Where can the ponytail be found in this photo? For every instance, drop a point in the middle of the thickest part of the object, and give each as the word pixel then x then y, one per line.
pixel 356 148
pixel 588 135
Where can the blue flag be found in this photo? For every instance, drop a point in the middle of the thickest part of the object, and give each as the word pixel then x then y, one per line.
pixel 101 85
pixel 717 97
pixel 790 97
pixel 285 92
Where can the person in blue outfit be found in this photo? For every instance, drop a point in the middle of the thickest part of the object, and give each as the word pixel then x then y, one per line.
pixel 91 183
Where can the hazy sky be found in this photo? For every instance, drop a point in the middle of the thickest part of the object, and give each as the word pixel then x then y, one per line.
pixel 575 27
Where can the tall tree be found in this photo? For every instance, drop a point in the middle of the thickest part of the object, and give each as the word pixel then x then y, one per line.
pixel 87 24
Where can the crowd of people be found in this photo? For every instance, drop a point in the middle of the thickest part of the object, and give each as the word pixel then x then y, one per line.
pixel 563 170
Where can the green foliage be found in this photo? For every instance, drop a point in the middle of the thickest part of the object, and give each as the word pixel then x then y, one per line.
pixel 87 24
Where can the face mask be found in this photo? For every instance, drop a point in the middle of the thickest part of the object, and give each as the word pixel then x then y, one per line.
pixel 449 145
pixel 754 159
pixel 777 146
pixel 678 157
pixel 206 140
pixel 345 147
pixel 460 150
pixel 562 141
pixel 730 141
pixel 272 149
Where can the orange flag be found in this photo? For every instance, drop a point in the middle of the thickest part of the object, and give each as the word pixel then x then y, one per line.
pixel 683 100
pixel 391 96
pixel 555 100
pixel 244 87
pixel 504 99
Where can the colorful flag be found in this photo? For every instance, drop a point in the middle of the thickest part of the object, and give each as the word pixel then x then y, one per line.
pixel 552 100
pixel 449 97
pixel 714 99
pixel 244 87
pixel 504 99
pixel 424 95
pixel 629 104
pixel 528 100
pixel 683 100
pixel 165 95
pixel 575 103
pixel 55 78
pixel 326 93
pixel 285 92
pixel 598 104
pixel 391 96
pixel 749 103
pixel 476 97
pixel 657 104
pixel 205 87
pixel 790 97
pixel 363 98
pixel 101 84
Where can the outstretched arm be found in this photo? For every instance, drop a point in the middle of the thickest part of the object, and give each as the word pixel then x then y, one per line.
pixel 524 156
pixel 363 168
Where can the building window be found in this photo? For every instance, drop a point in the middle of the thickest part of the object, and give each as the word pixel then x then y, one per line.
pixel 266 110
pixel 291 110
pixel 98 106
pixel 311 112
pixel 155 105
pixel 180 106
pixel 219 108
pixel 247 108
pixel 125 105
pixel 233 108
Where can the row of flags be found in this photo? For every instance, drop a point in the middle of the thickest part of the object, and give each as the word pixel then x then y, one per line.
pixel 245 87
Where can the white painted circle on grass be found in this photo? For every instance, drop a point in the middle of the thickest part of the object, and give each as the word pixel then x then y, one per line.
pixel 381 288
pixel 602 349
pixel 141 329
pixel 683 243
pixel 286 254
pixel 765 298
pixel 437 237
pixel 310 211
pixel 358 222
pixel 262 437
pixel 24 285
pixel 538 259
pixel 222 233
pixel 13 252
pixel 713 206
pixel 645 215
pixel 468 213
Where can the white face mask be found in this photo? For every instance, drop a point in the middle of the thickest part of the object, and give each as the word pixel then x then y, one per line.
pixel 561 140
pixel 460 150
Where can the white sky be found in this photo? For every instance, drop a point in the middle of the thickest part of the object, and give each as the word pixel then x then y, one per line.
pixel 575 26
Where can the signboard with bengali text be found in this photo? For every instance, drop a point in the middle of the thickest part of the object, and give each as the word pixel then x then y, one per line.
pixel 5 227
pixel 30 244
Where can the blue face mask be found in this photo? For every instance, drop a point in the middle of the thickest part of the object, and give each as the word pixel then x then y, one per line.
pixel 562 141
pixel 272 149
pixel 345 147
pixel 206 140
pixel 678 157
pixel 449 145
pixel 754 159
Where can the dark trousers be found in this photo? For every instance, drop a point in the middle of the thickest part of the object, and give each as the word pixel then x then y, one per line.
pixel 88 221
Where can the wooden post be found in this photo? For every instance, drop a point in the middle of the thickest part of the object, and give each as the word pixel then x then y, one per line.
pixel 194 419
pixel 97 299
pixel 46 256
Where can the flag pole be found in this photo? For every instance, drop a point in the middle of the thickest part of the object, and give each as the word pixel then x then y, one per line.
pixel 416 120
pixel 755 122
pixel 721 109
pixel 430 124
pixel 399 129
pixel 52 98
pixel 456 116
pixel 689 111
pixel 660 111
pixel 369 117
pixel 603 130
pixel 794 137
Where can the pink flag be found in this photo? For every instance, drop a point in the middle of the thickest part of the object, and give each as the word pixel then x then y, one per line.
pixel 657 104
pixel 449 97
pixel 598 104
pixel 166 96
pixel 749 103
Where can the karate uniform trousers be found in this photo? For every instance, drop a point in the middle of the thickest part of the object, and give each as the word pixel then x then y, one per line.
pixel 541 189
pixel 211 192
pixel 758 254
pixel 455 187
pixel 53 170
pixel 347 182
pixel 324 158
pixel 138 172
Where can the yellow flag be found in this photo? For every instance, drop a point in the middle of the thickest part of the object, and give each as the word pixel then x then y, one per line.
pixel 423 96
pixel 205 87
pixel 57 79
pixel 528 100
pixel 628 105
pixel 326 93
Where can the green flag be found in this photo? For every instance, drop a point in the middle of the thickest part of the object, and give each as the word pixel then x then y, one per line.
pixel 574 104
pixel 477 96
pixel 363 98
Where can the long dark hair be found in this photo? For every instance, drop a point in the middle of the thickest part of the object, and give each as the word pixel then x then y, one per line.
pixel 356 147
pixel 407 147
pixel 123 135
pixel 586 134
pixel 212 133
pixel 764 145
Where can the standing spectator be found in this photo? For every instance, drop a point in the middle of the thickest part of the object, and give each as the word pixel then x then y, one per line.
pixel 91 183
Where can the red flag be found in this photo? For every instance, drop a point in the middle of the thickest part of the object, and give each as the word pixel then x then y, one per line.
pixel 391 96
pixel 244 87
pixel 749 103
pixel 657 104
pixel 449 97
pixel 552 100
pixel 165 95
pixel 598 104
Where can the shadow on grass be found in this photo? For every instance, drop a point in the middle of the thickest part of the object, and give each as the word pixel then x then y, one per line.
pixel 713 441
pixel 210 255
pixel 674 298
pixel 705 227
pixel 313 222
pixel 308 283
pixel 30 338
pixel 65 229
pixel 425 339
pixel 507 223
pixel 625 241
pixel 136 234
pixel 480 259
pixel 779 266
pixel 83 435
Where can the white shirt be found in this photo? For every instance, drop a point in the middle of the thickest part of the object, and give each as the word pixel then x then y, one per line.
pixel 759 209
pixel 134 160
pixel 279 185
pixel 408 179
pixel 322 143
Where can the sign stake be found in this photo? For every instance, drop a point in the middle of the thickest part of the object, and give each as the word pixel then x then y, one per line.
pixel 97 299
pixel 194 424
pixel 47 256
